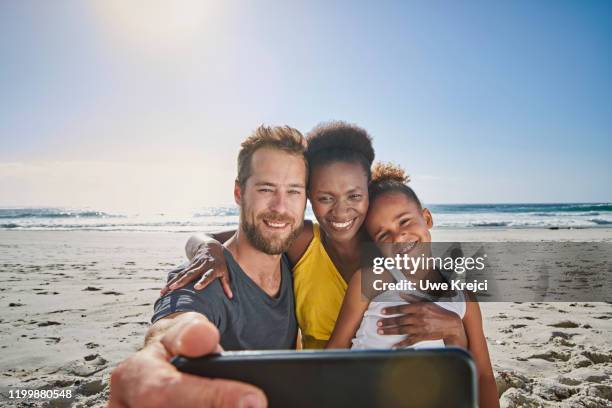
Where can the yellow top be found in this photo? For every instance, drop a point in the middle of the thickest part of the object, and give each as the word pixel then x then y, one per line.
pixel 319 290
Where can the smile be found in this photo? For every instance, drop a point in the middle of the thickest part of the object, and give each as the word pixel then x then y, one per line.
pixel 407 247
pixel 276 224
pixel 343 226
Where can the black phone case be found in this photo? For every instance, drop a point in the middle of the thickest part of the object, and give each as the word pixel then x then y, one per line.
pixel 348 378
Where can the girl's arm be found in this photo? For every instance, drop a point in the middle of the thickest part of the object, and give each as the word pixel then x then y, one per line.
pixel 351 314
pixel 472 321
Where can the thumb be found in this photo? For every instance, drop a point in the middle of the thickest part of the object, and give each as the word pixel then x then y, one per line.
pixel 194 336
pixel 173 388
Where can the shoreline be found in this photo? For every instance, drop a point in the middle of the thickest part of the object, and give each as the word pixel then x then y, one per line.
pixel 435 228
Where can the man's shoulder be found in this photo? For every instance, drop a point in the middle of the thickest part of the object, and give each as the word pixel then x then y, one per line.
pixel 213 289
pixel 177 269
pixel 208 301
pixel 211 292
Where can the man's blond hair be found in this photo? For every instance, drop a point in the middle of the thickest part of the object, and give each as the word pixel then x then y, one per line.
pixel 283 138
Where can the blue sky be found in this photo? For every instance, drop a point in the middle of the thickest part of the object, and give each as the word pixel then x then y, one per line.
pixel 142 105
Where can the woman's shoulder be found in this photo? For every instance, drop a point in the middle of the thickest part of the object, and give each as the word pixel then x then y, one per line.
pixel 300 245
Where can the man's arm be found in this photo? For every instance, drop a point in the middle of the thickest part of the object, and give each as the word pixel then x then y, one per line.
pixel 159 328
pixel 147 379
pixel 185 301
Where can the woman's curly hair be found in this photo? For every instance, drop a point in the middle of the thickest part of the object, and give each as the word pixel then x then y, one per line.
pixel 339 141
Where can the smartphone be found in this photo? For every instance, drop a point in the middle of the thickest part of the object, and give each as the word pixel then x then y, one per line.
pixel 348 378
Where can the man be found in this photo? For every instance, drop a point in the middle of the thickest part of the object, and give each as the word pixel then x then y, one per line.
pixel 271 192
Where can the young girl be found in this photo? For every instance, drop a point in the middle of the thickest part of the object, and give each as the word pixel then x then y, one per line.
pixel 396 216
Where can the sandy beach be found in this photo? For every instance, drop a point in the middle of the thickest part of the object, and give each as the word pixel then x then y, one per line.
pixel 76 303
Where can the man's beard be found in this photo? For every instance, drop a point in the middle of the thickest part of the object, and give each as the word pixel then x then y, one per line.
pixel 269 246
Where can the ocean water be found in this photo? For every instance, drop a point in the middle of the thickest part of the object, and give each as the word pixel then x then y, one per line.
pixel 572 215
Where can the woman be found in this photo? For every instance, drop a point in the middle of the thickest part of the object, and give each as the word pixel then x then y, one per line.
pixel 326 254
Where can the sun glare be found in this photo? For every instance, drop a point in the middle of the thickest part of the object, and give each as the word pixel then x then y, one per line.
pixel 154 23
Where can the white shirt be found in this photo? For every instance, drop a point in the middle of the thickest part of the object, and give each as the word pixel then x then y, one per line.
pixel 367 336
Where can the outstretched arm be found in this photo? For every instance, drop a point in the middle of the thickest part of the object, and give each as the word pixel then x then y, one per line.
pixel 472 321
pixel 351 314
pixel 158 329
pixel 149 379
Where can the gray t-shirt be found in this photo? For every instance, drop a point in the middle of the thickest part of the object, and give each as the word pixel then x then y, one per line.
pixel 252 320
